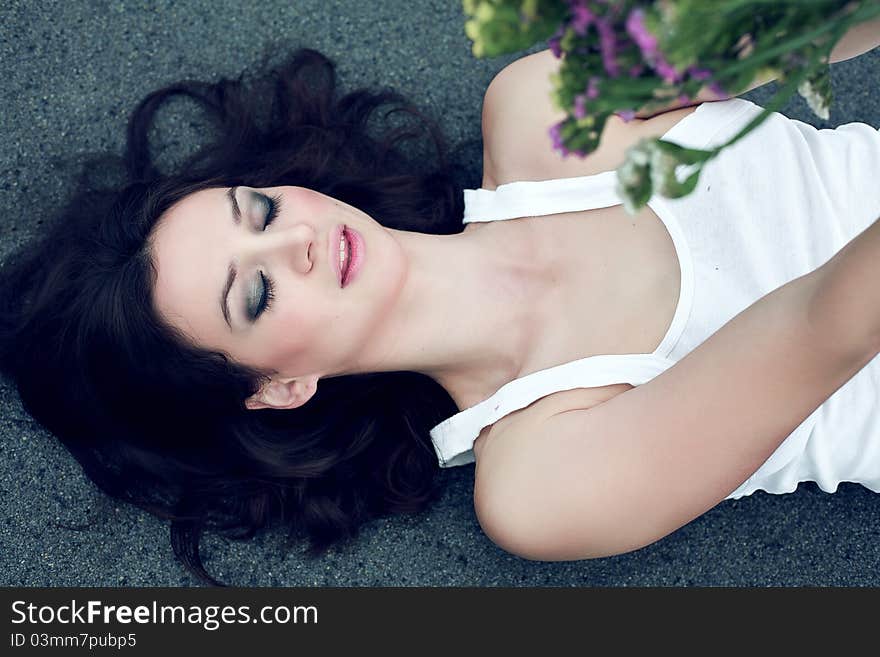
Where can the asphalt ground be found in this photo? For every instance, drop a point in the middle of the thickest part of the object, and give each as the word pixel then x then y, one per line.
pixel 71 72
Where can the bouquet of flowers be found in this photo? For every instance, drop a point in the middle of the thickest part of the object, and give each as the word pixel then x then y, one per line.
pixel 620 56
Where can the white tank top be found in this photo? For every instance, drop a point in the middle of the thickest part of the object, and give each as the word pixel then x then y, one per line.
pixel 772 207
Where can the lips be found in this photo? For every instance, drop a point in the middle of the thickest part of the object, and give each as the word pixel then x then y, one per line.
pixel 333 249
pixel 346 264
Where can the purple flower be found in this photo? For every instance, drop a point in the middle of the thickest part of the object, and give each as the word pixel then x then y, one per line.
pixel 718 90
pixel 553 42
pixel 581 18
pixel 592 88
pixel 636 71
pixel 699 73
pixel 627 115
pixel 667 70
pixel 647 43
pixel 635 26
pixel 608 44
pixel 556 136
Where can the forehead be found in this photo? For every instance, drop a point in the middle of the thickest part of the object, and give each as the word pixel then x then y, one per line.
pixel 191 258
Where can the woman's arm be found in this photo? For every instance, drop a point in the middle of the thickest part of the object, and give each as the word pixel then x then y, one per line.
pixel 517 112
pixel 592 482
pixel 858 40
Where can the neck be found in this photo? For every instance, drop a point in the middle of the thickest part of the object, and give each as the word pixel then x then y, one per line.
pixel 471 310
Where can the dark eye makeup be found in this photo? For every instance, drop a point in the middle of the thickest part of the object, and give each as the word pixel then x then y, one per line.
pixel 273 206
pixel 265 300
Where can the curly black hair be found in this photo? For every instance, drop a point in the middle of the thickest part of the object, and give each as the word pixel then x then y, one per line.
pixel 157 422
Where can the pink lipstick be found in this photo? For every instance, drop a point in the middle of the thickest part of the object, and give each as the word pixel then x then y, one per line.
pixel 333 248
pixel 354 255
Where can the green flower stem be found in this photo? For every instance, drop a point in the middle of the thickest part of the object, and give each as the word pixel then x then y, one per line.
pixel 774 105
pixel 838 26
pixel 674 189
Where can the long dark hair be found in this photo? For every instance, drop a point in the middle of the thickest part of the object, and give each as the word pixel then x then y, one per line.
pixel 155 421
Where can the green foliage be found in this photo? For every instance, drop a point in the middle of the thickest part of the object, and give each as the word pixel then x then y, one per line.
pixel 639 55
pixel 498 27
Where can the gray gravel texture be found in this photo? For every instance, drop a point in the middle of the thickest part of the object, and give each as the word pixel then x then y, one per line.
pixel 71 71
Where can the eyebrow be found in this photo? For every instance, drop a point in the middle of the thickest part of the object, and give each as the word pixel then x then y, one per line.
pixel 230 277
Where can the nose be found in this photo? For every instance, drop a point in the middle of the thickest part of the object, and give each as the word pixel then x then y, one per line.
pixel 287 246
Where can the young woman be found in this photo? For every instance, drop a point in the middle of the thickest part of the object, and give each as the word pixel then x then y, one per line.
pixel 296 328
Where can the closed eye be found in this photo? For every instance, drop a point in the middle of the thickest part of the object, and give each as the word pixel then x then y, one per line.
pixel 273 207
pixel 266 298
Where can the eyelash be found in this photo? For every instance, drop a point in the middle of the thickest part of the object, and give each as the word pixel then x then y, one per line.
pixel 268 295
pixel 273 204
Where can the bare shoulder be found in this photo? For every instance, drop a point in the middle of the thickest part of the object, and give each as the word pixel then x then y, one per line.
pixel 518 112
pixel 591 482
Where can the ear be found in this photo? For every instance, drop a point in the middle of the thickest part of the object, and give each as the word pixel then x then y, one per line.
pixel 284 393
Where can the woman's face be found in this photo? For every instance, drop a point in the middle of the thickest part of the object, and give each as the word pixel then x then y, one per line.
pixel 311 326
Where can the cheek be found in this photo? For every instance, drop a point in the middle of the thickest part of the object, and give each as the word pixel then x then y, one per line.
pixel 305 202
pixel 282 348
pixel 299 327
